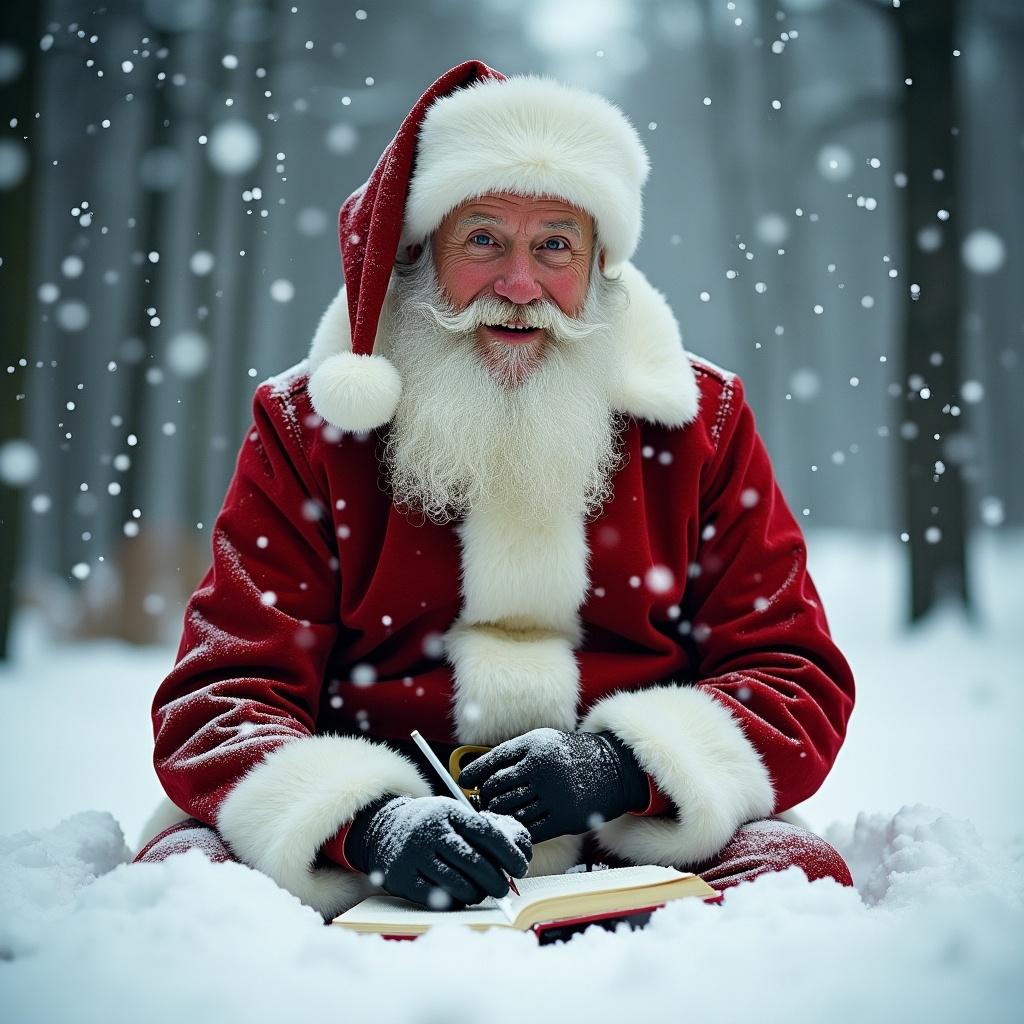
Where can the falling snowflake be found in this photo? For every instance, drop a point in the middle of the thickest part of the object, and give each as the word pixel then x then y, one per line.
pixel 772 228
pixel 805 384
pixel 983 251
pixel 201 263
pixel 187 354
pixel 341 139
pixel 363 675
pixel 311 221
pixel 972 391
pixel 19 463
pixel 433 645
pixel 282 290
pixel 835 163
pixel 233 147
pixel 14 162
pixel 659 579
pixel 73 315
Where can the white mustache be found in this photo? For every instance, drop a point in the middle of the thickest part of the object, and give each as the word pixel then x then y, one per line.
pixel 490 310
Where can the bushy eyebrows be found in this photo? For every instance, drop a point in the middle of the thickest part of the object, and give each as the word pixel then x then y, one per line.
pixel 563 225
pixel 478 219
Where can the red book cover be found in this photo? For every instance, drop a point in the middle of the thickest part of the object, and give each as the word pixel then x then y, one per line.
pixel 548 932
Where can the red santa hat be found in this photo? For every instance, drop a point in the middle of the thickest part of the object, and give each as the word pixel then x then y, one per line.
pixel 474 131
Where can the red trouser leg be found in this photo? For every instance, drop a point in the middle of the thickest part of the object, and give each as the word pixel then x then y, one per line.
pixel 763 846
pixel 756 849
pixel 190 834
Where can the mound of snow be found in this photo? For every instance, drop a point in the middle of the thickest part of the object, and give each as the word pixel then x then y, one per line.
pixel 42 872
pixel 936 936
pixel 922 855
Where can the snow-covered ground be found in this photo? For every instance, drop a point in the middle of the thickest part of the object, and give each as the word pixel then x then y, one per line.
pixel 924 802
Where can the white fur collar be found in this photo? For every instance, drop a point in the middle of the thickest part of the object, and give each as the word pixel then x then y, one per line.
pixel 655 381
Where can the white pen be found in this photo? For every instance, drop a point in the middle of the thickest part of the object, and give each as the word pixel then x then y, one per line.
pixel 456 792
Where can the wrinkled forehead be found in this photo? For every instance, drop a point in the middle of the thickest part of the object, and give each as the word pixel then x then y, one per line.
pixel 514 211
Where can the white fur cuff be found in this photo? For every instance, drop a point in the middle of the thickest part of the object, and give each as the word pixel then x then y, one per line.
pixel 284 810
pixel 699 755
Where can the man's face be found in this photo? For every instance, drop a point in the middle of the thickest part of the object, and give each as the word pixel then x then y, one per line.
pixel 482 422
pixel 524 250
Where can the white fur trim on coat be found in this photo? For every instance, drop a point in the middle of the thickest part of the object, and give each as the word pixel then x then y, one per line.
pixel 508 682
pixel 531 136
pixel 281 813
pixel 555 856
pixel 699 755
pixel 351 391
pixel 512 647
pixel 522 573
pixel 333 333
pixel 655 380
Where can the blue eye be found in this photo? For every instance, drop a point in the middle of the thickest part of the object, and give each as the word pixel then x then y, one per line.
pixel 558 244
pixel 476 239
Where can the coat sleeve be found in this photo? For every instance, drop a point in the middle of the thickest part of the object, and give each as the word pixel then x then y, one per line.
pixel 234 721
pixel 759 726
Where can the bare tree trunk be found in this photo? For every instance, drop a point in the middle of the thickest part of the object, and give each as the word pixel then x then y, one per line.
pixel 932 482
pixel 251 284
pixel 136 560
pixel 212 197
pixel 17 100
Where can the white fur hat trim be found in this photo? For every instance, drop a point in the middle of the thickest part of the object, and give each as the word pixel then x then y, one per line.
pixel 531 136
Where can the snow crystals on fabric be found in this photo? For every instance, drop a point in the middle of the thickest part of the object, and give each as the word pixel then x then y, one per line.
pixel 514 830
pixel 724 407
pixel 282 389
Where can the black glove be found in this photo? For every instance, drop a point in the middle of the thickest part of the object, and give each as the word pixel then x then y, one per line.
pixel 558 783
pixel 436 852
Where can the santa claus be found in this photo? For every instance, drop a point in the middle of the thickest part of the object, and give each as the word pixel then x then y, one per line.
pixel 499 503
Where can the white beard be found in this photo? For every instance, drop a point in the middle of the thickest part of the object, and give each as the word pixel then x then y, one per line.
pixel 463 437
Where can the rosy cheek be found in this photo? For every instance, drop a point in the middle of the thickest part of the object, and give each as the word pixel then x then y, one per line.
pixel 464 279
pixel 568 289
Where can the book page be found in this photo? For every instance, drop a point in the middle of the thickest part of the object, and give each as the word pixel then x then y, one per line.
pixel 580 882
pixel 383 910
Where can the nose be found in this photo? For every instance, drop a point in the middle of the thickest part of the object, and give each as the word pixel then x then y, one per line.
pixel 517 282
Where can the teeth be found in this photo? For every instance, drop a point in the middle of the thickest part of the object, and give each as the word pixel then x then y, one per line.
pixel 515 327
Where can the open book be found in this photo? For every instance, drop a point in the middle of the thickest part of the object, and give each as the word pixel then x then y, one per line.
pixel 547 900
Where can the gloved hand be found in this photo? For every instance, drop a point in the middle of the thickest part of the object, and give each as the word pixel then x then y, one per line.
pixel 436 852
pixel 558 783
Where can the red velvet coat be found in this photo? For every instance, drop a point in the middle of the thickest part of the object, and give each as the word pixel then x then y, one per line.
pixel 321 626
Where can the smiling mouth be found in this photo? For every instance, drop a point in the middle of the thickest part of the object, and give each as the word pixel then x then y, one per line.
pixel 513 334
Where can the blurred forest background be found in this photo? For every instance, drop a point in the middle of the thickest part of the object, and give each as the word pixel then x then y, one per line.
pixel 835 212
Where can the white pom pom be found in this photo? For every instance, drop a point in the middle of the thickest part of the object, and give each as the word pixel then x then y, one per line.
pixel 355 393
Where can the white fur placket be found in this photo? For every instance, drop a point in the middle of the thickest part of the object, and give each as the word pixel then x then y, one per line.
pixel 512 648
